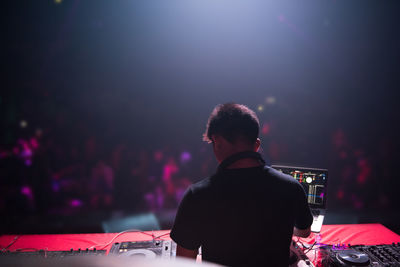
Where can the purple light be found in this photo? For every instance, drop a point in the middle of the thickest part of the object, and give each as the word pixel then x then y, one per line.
pixel 185 157
pixel 34 143
pixel 55 186
pixel 27 191
pixel 26 152
pixel 75 203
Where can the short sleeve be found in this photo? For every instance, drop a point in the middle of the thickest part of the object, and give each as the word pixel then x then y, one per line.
pixel 186 229
pixel 304 217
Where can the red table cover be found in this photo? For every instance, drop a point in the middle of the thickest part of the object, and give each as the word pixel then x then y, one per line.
pixel 355 234
pixel 76 241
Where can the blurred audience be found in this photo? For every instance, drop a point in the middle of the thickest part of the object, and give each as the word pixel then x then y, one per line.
pixel 40 175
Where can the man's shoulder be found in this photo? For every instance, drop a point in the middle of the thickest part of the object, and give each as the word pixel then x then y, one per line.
pixel 281 177
pixel 269 175
pixel 201 186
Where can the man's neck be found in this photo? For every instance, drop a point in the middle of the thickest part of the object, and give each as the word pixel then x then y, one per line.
pixel 244 163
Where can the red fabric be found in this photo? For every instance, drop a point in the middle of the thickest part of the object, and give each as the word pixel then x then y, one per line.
pixel 355 234
pixel 75 241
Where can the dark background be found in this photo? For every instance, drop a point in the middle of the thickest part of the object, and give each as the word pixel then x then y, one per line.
pixel 94 87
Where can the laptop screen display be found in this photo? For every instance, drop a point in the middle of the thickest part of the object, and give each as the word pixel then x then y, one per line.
pixel 313 181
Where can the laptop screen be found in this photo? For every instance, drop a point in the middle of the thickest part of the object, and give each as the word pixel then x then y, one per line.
pixel 313 180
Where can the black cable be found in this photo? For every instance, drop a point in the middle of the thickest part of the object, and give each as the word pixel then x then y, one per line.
pixel 27 249
pixel 12 242
pixel 157 237
pixel 310 248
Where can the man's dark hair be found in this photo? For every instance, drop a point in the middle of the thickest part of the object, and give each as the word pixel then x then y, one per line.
pixel 233 122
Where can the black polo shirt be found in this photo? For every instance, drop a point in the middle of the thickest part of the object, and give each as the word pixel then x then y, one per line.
pixel 242 217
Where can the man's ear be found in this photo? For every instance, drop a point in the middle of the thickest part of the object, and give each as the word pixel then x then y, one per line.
pixel 257 145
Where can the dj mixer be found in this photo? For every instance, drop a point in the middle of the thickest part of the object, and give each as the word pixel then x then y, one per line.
pixel 360 255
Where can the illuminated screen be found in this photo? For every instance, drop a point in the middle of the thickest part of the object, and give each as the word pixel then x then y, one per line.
pixel 312 180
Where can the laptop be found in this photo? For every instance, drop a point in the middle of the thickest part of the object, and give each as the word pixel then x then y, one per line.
pixel 314 182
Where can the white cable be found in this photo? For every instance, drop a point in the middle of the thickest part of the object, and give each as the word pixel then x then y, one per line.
pixel 120 233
